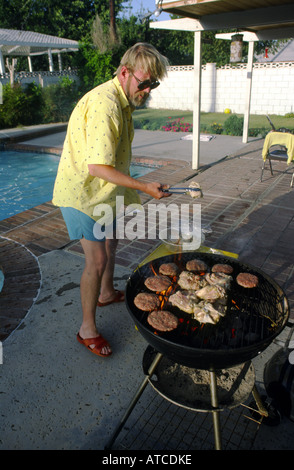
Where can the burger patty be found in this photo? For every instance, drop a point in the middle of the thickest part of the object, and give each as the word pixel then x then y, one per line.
pixel 158 283
pixel 162 320
pixel 146 301
pixel 222 268
pixel 247 280
pixel 168 269
pixel 196 265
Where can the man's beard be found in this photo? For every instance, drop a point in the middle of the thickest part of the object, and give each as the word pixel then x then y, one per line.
pixel 137 101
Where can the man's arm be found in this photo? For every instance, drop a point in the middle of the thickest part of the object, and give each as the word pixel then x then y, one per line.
pixel 112 175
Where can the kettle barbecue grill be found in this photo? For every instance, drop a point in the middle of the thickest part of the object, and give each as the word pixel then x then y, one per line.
pixel 254 317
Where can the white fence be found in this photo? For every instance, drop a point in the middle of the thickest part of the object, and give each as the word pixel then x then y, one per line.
pixel 40 78
pixel 222 87
pixel 225 87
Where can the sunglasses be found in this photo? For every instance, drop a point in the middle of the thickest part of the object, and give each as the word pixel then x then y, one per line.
pixel 146 83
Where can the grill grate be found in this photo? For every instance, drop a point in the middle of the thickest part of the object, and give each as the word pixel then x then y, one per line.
pixel 252 314
pixel 253 319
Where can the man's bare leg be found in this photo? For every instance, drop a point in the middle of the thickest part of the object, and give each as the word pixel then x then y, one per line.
pixel 107 290
pixel 95 264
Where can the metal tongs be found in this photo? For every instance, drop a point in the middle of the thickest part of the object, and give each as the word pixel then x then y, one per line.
pixel 180 190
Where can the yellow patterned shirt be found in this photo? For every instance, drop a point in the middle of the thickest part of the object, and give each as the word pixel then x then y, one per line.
pixel 100 131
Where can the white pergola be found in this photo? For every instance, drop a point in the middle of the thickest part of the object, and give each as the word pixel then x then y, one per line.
pixel 15 43
pixel 256 20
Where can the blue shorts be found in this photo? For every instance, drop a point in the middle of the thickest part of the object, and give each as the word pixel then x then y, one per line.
pixel 80 225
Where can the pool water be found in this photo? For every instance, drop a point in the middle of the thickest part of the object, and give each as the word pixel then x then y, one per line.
pixel 27 180
pixel 1 279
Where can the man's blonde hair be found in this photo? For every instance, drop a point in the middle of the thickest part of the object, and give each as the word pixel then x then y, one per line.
pixel 144 56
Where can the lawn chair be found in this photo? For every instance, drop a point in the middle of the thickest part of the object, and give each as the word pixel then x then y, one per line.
pixel 281 129
pixel 278 146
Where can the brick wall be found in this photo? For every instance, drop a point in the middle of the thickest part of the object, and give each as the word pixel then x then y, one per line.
pixel 225 87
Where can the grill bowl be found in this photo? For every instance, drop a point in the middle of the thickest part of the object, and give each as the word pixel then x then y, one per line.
pixel 263 312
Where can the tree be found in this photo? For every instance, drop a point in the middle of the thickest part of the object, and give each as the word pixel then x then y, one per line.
pixel 77 19
pixel 71 19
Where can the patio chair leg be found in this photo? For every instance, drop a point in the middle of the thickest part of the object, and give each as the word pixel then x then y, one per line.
pixel 262 170
pixel 270 163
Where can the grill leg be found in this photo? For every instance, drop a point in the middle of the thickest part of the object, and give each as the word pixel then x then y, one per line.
pixel 262 410
pixel 134 400
pixel 215 413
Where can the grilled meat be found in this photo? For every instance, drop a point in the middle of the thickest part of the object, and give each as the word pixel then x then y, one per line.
pixel 247 280
pixel 222 268
pixel 188 281
pixel 184 300
pixel 168 269
pixel 146 301
pixel 204 312
pixel 211 293
pixel 196 265
pixel 162 320
pixel 158 283
pixel 219 279
pixel 195 194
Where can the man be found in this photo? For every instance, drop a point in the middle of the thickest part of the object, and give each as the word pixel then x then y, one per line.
pixel 94 169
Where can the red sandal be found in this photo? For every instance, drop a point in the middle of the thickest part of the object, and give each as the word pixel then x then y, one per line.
pixel 99 343
pixel 120 297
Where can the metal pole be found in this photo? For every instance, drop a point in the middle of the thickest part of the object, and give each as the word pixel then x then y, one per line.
pixel 134 400
pixel 248 91
pixel 197 100
pixel 215 413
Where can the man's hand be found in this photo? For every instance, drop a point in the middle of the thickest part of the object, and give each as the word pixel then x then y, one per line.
pixel 155 190
pixel 112 175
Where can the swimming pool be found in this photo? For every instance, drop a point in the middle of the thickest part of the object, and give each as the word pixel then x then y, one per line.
pixel 27 180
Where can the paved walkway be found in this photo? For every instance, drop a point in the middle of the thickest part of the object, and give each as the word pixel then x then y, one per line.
pixel 49 398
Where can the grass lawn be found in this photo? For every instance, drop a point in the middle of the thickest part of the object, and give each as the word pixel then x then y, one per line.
pixel 153 119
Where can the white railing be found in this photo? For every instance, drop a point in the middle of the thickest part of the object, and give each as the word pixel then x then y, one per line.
pixel 40 78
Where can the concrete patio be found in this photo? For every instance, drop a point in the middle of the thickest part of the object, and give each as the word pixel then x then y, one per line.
pixel 55 394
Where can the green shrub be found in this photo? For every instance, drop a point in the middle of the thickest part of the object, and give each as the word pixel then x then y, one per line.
pixel 203 128
pixel 59 100
pixel 94 67
pixel 216 128
pixel 13 105
pixel 258 132
pixel 21 105
pixel 233 125
pixel 153 126
pixel 32 104
pixel 142 123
